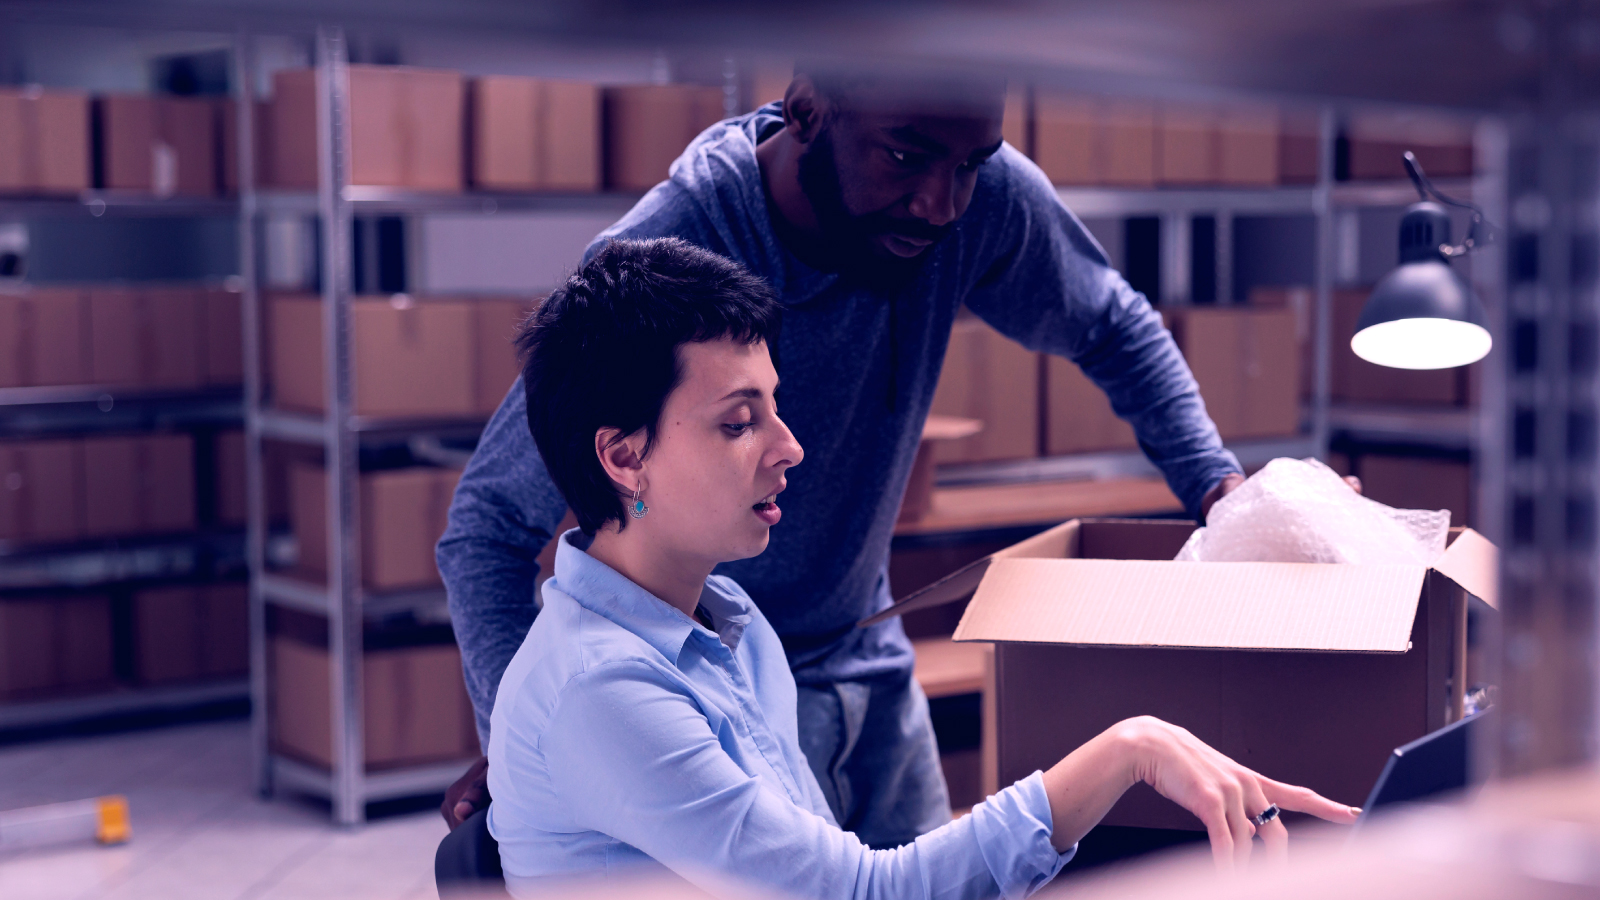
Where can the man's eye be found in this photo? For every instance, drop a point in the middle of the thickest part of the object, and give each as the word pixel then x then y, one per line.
pixel 899 156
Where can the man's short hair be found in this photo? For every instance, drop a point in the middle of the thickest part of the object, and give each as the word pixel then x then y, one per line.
pixel 602 351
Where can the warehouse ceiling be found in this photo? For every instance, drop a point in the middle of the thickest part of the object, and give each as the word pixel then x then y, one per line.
pixel 1470 53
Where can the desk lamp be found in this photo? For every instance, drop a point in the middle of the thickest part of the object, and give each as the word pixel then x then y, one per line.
pixel 1423 315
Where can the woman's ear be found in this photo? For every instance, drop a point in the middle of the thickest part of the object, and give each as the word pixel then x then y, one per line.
pixel 622 457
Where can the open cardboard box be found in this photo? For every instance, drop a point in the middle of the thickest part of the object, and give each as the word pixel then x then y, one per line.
pixel 1308 673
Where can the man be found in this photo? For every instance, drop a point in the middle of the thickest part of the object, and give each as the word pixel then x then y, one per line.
pixel 877 206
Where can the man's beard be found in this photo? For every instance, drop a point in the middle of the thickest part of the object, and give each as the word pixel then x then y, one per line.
pixel 849 239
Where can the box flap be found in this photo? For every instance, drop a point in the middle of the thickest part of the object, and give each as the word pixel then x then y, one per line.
pixel 1259 606
pixel 1054 542
pixel 1473 563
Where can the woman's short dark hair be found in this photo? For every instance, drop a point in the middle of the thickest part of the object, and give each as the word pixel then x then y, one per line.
pixel 602 352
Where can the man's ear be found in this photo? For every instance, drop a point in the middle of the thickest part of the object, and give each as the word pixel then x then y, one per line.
pixel 622 457
pixel 803 108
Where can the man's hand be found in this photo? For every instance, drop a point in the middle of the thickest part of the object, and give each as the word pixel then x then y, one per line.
pixel 1234 479
pixel 469 794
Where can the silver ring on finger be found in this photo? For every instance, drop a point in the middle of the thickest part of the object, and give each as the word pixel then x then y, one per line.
pixel 1267 815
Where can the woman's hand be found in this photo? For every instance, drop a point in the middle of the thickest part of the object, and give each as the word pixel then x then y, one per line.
pixel 1224 795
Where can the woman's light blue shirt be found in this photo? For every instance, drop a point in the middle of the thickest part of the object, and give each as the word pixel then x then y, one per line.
pixel 627 735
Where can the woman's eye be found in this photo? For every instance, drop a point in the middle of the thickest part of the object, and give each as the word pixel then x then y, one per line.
pixel 738 427
pixel 899 156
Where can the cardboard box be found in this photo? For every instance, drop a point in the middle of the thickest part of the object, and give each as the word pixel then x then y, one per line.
pixel 222 326
pixel 54 644
pixel 1186 146
pixel 1016 123
pixel 228 129
pixel 1414 482
pixel 533 134
pixel 145 337
pixel 414 704
pixel 917 501
pixel 157 144
pixel 43 338
pixel 1247 362
pixel 190 632
pixel 44 141
pixel 41 491
pixel 406 128
pixel 1128 144
pixel 647 126
pixel 1078 416
pixel 232 499
pixel 403 513
pixel 1247 147
pixel 1442 144
pixel 988 377
pixel 1357 381
pixel 409 358
pixel 139 485
pixel 494 329
pixel 1064 137
pixel 1310 674
pixel 1301 300
pixel 1299 147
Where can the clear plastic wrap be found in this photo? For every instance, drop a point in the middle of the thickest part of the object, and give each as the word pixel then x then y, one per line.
pixel 1299 510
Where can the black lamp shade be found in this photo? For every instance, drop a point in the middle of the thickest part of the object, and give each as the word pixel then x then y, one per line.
pixel 1422 315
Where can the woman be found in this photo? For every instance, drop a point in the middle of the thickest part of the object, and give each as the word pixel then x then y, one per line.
pixel 649 716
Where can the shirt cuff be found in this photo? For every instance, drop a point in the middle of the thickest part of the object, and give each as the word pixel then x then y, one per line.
pixel 1013 828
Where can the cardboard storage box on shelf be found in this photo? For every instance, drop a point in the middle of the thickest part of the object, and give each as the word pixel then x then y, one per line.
pixel 496 365
pixel 54 644
pixel 1128 144
pixel 406 128
pixel 157 144
pixel 1247 362
pixel 414 704
pixel 1442 144
pixel 648 125
pixel 145 337
pixel 403 513
pixel 190 632
pixel 222 318
pixel 917 501
pixel 1308 673
pixel 1356 380
pixel 44 338
pixel 44 141
pixel 1065 130
pixel 229 462
pixel 41 491
pixel 991 378
pixel 1300 300
pixel 228 165
pixel 409 358
pixel 534 134
pixel 1247 146
pixel 139 485
pixel 1416 482
pixel 1078 417
pixel 1299 147
pixel 1186 144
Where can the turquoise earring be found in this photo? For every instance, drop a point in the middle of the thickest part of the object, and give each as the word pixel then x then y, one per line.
pixel 637 509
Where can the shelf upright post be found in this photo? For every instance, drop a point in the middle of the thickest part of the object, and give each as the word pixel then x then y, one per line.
pixel 344 575
pixel 1322 326
pixel 1224 248
pixel 243 90
pixel 1175 226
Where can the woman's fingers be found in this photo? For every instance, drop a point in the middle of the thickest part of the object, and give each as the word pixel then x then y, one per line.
pixel 1275 840
pixel 1305 800
pixel 1221 838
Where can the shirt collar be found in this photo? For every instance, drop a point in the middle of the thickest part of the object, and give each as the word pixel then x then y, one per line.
pixel 603 590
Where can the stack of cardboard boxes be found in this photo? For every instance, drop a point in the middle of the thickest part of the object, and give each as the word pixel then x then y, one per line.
pixel 1246 359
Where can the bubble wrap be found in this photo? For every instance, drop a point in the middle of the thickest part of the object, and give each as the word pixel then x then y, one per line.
pixel 1296 510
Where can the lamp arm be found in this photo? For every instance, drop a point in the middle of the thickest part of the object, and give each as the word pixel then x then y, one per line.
pixel 1427 190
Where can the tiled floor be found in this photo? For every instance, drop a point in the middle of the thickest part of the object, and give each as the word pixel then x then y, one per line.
pixel 199 829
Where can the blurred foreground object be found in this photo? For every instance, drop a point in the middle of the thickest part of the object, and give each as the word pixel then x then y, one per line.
pixel 1533 838
pixel 102 819
pixel 1424 315
pixel 1301 511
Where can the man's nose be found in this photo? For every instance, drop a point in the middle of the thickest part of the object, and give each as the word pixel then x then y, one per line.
pixel 935 201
